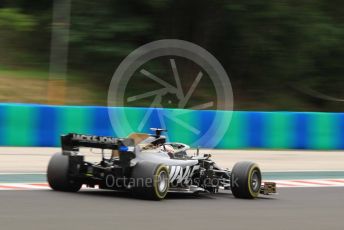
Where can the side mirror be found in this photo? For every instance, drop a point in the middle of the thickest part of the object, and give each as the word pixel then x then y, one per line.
pixel 207 156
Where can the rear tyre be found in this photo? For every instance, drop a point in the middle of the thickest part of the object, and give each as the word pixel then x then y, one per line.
pixel 151 180
pixel 246 180
pixel 57 174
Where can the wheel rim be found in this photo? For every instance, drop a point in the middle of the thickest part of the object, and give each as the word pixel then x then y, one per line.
pixel 162 181
pixel 255 181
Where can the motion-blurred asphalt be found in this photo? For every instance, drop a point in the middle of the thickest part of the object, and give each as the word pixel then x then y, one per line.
pixel 292 208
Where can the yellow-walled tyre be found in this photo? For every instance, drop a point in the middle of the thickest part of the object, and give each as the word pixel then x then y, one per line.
pixel 246 180
pixel 150 180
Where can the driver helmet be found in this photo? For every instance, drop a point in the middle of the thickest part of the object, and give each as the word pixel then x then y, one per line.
pixel 167 148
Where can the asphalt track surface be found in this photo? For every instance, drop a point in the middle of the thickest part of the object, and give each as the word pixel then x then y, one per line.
pixel 292 208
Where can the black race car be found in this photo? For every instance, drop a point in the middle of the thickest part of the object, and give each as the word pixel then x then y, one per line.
pixel 149 167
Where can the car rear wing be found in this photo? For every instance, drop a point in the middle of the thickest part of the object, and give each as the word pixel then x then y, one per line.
pixel 73 141
pixel 125 146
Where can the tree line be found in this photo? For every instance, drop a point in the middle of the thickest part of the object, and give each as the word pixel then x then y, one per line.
pixel 284 55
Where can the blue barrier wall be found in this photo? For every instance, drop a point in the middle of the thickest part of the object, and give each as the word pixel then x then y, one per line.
pixel 41 125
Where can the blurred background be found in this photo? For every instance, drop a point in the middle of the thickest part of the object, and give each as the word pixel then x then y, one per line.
pixel 280 55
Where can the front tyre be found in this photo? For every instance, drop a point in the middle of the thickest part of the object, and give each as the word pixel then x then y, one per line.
pixel 151 180
pixel 246 180
pixel 58 174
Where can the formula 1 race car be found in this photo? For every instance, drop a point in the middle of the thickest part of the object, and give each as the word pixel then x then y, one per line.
pixel 149 167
